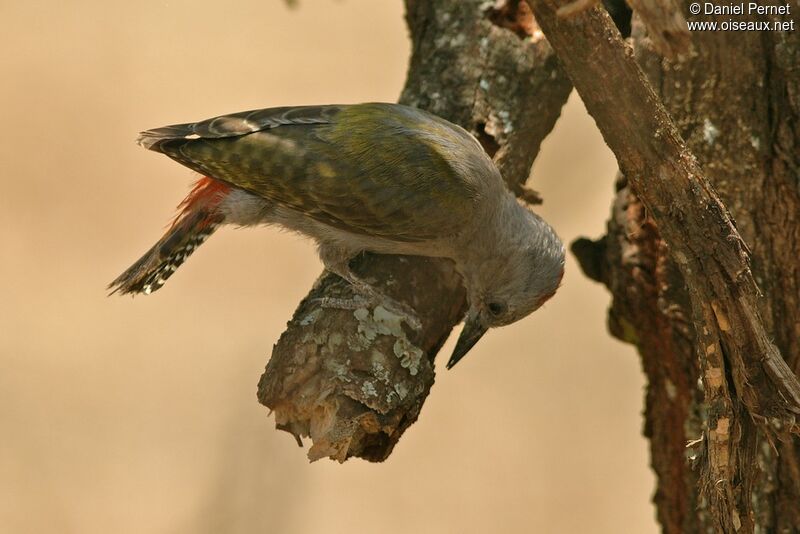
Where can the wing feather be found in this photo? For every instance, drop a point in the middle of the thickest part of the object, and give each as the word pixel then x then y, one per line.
pixel 237 124
pixel 374 169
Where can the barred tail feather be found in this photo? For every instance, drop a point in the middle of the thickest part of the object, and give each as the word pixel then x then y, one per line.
pixel 196 221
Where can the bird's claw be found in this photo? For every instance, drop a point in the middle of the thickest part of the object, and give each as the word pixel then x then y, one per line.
pixel 406 313
pixel 353 303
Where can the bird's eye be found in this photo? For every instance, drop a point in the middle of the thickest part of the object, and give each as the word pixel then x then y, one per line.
pixel 496 308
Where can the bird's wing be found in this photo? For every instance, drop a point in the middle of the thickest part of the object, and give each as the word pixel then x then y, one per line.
pixel 373 169
pixel 238 124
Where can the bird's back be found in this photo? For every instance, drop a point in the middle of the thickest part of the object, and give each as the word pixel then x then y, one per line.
pixel 381 170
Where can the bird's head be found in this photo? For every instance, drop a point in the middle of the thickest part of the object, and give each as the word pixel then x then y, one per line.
pixel 511 284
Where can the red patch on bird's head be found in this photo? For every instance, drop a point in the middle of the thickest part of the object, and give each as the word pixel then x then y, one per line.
pixel 547 296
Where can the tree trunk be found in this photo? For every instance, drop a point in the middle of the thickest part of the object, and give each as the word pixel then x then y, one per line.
pixel 736 102
pixel 701 255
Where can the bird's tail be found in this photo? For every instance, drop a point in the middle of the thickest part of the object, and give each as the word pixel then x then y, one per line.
pixel 197 218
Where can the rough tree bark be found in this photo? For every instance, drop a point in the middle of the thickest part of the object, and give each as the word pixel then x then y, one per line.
pixel 354 381
pixel 712 305
pixel 735 100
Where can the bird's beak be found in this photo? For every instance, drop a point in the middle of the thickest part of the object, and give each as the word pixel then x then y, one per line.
pixel 473 330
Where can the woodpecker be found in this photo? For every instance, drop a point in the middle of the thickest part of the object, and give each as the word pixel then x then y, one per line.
pixel 383 178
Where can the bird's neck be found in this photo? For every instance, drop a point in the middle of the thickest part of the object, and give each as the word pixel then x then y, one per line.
pixel 495 237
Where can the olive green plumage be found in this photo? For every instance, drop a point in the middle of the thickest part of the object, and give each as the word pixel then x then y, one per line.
pixel 362 168
pixel 383 178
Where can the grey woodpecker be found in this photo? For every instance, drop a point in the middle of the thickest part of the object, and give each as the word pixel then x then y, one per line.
pixel 383 178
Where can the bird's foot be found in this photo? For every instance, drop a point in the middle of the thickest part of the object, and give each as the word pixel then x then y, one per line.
pixel 358 300
pixel 405 312
pixel 353 303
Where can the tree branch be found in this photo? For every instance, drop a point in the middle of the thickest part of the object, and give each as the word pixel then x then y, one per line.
pixel 741 368
pixel 354 381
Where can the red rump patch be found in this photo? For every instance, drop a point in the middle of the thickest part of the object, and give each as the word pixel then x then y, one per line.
pixel 206 194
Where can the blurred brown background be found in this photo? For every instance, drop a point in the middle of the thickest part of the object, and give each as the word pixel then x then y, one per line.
pixel 132 416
